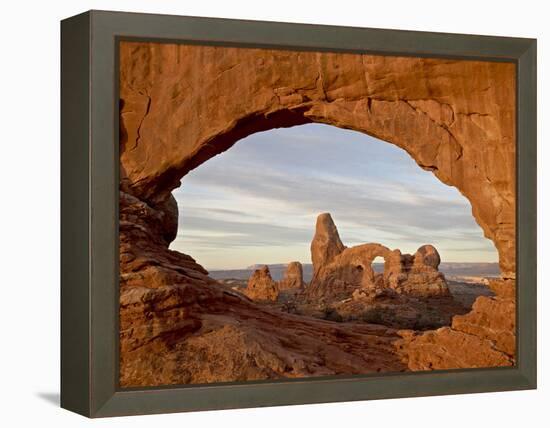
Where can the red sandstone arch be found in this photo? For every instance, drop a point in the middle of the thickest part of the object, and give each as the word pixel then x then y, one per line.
pixel 352 269
pixel 181 105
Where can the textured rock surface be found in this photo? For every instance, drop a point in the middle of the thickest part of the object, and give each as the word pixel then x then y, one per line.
pixel 339 271
pixel 326 243
pixel 181 105
pixel 422 277
pixel 145 259
pixel 447 348
pixel 349 270
pixel 261 286
pixel 485 337
pixel 179 326
pixel 293 277
pixel 197 334
pixel 426 258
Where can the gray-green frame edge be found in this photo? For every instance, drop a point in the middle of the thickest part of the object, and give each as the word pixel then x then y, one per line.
pixel 89 213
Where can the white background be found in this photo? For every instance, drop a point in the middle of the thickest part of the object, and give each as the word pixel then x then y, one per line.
pixel 29 214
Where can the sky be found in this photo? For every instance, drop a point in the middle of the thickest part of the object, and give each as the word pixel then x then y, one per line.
pixel 257 202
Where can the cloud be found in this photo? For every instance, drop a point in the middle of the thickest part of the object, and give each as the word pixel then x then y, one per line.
pixel 227 233
pixel 268 189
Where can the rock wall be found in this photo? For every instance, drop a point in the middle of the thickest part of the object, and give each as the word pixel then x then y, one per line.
pixel 485 337
pixel 144 235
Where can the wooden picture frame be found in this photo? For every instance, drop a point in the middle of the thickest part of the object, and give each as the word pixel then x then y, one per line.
pixel 89 212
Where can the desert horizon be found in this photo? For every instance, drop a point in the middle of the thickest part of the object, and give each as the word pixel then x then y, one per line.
pixel 449 269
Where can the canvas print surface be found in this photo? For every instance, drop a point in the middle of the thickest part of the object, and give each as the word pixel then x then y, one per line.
pixel 295 214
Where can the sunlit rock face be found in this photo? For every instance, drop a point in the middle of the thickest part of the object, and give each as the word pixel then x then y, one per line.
pixel 422 276
pixel 339 271
pixel 326 243
pixel 181 105
pixel 485 337
pixel 293 277
pixel 261 286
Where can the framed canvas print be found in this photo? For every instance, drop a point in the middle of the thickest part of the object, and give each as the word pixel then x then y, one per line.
pixel 259 213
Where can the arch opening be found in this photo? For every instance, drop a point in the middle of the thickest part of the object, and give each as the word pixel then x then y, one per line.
pixel 285 177
pixel 256 205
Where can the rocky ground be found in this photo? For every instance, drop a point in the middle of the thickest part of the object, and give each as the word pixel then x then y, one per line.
pixel 391 310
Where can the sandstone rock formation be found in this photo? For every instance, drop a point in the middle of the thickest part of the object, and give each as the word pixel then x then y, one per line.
pixel 349 270
pixel 261 286
pixel 326 243
pixel 145 259
pixel 340 271
pixel 182 104
pixel 293 277
pixel 422 277
pixel 485 337
pixel 426 257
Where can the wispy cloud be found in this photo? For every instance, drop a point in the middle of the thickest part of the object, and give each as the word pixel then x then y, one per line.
pixel 261 198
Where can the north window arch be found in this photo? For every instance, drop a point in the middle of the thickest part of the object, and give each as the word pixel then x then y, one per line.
pixel 182 105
